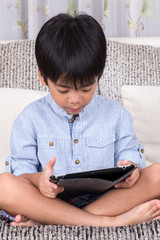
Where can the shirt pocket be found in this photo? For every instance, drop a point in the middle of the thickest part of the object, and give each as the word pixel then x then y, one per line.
pixel 100 152
pixel 49 147
pixel 50 143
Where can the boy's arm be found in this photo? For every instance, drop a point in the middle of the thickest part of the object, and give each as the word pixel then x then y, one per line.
pixel 128 149
pixel 24 161
pixel 126 145
pixel 23 144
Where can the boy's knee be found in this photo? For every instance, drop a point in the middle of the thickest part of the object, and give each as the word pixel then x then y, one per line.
pixel 5 179
pixel 155 172
pixel 6 188
pixel 155 167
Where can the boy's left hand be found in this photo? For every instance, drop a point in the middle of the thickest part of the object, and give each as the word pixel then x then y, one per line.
pixel 132 179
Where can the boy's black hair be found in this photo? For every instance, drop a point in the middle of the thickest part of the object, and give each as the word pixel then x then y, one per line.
pixel 75 46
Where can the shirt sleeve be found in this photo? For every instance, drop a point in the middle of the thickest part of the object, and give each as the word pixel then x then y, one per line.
pixel 127 146
pixel 23 146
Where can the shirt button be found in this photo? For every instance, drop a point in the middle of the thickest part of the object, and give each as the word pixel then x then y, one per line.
pixel 77 161
pixel 70 120
pixel 142 150
pixel 7 163
pixel 76 141
pixel 51 144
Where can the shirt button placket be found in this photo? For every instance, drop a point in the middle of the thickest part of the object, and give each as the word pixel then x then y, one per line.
pixel 77 162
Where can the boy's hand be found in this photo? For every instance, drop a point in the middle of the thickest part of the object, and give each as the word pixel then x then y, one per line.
pixel 46 187
pixel 132 179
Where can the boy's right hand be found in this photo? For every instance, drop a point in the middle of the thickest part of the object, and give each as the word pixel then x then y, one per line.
pixel 46 187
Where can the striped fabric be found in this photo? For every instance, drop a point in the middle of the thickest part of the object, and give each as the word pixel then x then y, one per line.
pixel 128 64
pixel 18 67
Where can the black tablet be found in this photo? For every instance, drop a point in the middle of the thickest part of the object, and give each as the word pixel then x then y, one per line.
pixel 88 182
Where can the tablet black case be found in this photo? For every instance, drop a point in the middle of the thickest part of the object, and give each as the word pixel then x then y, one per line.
pixel 91 182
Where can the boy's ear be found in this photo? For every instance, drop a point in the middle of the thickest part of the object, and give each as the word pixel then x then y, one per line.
pixel 41 78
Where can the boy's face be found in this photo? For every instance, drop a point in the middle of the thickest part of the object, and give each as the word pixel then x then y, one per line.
pixel 72 100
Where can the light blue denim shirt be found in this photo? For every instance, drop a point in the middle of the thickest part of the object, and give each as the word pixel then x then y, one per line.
pixel 98 138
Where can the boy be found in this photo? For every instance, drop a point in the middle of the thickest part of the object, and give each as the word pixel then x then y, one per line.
pixel 73 130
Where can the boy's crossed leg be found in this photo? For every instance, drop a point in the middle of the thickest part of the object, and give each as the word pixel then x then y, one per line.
pixel 115 208
pixel 142 213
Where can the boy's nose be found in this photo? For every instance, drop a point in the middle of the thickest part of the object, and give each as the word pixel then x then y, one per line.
pixel 74 98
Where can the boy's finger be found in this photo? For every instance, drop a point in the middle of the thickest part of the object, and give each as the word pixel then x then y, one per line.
pixel 53 194
pixel 123 163
pixel 131 177
pixel 60 189
pixel 122 184
pixel 52 185
pixel 51 163
pixel 134 175
pixel 55 188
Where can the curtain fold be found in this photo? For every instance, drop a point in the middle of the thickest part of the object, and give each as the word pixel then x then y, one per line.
pixel 21 19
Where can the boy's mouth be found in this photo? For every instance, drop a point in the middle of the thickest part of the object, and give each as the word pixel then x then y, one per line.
pixel 74 110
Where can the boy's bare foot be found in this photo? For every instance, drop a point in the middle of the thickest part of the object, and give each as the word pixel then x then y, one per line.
pixel 22 221
pixel 144 212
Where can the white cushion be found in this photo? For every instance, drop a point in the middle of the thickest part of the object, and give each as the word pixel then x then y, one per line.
pixel 12 102
pixel 143 102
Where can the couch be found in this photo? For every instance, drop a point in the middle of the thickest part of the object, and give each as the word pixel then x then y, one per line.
pixel 131 76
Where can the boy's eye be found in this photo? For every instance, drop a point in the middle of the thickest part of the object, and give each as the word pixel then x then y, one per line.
pixel 86 90
pixel 62 91
pixel 82 89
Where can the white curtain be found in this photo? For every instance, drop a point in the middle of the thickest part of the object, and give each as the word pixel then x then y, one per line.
pixel 21 19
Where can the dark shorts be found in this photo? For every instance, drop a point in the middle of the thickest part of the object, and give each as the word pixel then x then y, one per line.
pixel 82 201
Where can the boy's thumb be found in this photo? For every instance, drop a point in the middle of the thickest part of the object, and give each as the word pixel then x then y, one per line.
pixel 51 163
pixel 122 162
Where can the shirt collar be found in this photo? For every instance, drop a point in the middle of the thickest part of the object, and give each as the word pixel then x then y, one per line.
pixel 59 111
